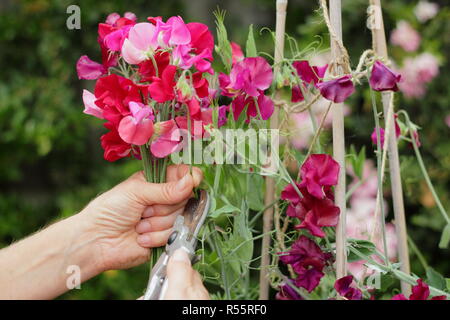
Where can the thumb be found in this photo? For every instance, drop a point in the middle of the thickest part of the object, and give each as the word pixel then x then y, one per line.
pixel 179 275
pixel 164 193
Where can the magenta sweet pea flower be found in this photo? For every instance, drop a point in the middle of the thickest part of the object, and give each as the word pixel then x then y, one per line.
pixel 345 287
pixel 421 291
pixel 89 105
pixel 309 74
pixel 318 171
pixel 137 128
pixel 382 78
pixel 250 76
pixel 312 212
pixel 373 136
pixel 264 106
pixel 337 90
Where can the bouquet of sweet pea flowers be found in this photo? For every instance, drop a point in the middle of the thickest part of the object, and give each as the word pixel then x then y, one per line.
pixel 151 87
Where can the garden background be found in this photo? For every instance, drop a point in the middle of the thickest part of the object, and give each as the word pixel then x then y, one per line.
pixel 51 162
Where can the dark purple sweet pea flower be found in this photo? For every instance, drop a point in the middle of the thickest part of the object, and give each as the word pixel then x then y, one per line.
pixel 382 78
pixel 287 293
pixel 344 287
pixel 309 278
pixel 307 260
pixel 337 90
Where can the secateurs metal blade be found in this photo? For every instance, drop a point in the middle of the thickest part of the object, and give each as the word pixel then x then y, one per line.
pixel 184 236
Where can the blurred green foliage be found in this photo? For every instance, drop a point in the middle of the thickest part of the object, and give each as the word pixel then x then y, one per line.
pixel 51 162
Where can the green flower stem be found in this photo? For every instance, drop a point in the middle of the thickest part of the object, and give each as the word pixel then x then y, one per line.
pixel 380 178
pixel 419 255
pixel 146 162
pixel 218 249
pixel 423 169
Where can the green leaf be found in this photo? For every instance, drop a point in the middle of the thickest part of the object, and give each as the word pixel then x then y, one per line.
pixel 255 196
pixel 445 237
pixel 228 208
pixel 358 160
pixel 435 279
pixel 250 46
pixel 366 248
pixel 447 280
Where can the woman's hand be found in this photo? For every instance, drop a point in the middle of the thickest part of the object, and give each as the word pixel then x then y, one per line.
pixel 184 282
pixel 136 215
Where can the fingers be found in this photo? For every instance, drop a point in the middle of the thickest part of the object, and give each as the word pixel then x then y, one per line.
pixel 169 193
pixel 162 210
pixel 153 239
pixel 157 223
pixel 184 282
pixel 176 172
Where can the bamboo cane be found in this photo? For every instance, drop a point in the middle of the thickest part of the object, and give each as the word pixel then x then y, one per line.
pixel 380 48
pixel 270 182
pixel 339 142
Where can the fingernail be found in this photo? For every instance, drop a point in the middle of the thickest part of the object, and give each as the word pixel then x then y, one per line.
pixel 182 184
pixel 149 211
pixel 181 256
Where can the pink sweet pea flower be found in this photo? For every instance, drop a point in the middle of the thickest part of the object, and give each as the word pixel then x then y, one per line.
pixel 405 36
pixel 89 105
pixel 250 76
pixel 345 287
pixel 337 90
pixel 166 139
pixel 174 31
pixel 137 128
pixel 140 43
pixel 318 171
pixel 382 78
pixel 236 53
pixel 88 69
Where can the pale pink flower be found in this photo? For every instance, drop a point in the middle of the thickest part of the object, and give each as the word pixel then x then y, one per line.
pixel 405 36
pixel 447 120
pixel 425 10
pixel 427 66
pixel 141 43
pixel 416 72
pixel 89 105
